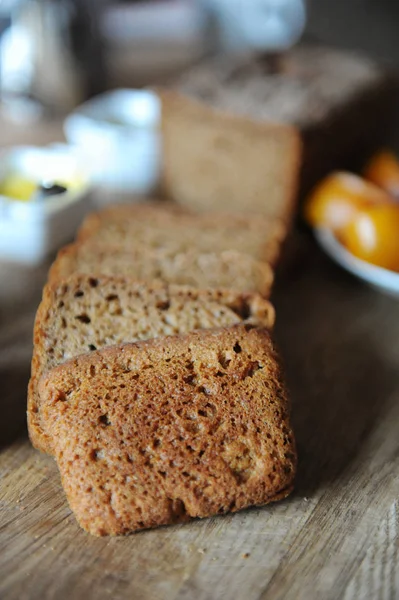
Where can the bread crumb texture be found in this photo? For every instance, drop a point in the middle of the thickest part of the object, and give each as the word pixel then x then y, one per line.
pixel 228 269
pixel 160 431
pixel 84 313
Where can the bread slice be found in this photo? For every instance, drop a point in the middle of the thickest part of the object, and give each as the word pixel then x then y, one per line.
pixel 228 269
pixel 213 160
pixel 83 313
pixel 162 225
pixel 157 432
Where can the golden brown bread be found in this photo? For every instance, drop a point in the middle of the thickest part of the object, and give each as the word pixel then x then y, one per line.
pixel 157 432
pixel 227 269
pixel 164 225
pixel 215 160
pixel 83 313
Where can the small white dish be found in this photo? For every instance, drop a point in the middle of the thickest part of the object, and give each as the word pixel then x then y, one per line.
pixel 116 136
pixel 379 278
pixel 30 230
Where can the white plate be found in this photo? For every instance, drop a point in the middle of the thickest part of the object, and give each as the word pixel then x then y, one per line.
pixel 382 279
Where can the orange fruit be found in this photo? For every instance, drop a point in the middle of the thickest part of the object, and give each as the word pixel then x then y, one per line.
pixel 334 202
pixel 373 235
pixel 383 170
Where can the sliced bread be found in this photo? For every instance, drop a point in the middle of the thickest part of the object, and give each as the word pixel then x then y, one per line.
pixel 83 313
pixel 163 226
pixel 228 269
pixel 213 160
pixel 158 432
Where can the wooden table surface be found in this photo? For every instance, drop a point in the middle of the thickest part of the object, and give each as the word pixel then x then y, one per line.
pixel 335 537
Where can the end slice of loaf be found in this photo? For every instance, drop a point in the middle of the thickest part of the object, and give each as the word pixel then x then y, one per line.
pixel 164 225
pixel 157 432
pixel 83 314
pixel 214 160
pixel 228 269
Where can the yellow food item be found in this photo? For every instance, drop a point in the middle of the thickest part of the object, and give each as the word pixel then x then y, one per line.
pixel 373 235
pixel 17 187
pixel 335 201
pixel 383 170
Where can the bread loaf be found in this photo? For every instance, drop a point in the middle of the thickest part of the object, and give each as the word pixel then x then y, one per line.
pixel 327 93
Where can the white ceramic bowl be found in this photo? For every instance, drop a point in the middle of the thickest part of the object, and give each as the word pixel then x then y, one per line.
pixel 31 230
pixel 116 136
pixel 379 278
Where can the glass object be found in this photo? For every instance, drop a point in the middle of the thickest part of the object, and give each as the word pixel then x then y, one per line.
pixel 261 25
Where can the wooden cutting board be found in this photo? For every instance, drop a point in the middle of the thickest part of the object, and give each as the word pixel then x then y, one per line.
pixel 335 537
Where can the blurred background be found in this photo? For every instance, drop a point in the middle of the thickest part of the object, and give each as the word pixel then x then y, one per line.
pixel 56 53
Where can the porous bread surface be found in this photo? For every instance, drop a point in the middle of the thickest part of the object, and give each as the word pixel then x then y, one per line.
pixel 175 230
pixel 83 313
pixel 228 269
pixel 213 160
pixel 157 432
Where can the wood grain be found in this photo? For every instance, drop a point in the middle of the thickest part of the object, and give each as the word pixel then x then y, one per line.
pixel 335 537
